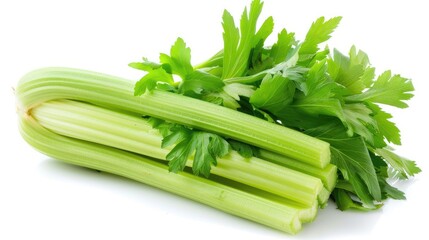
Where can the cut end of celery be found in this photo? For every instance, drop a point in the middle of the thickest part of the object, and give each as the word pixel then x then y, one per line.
pixel 323 197
pixel 325 156
pixel 328 174
pixel 295 227
pixel 331 177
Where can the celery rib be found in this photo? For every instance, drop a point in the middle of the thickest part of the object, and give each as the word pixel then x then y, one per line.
pixel 142 169
pixel 95 124
pixel 328 175
pixel 306 213
pixel 116 93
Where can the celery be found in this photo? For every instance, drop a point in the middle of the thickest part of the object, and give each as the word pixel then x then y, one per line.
pixel 328 175
pixel 143 169
pixel 116 93
pixel 134 134
pixel 306 213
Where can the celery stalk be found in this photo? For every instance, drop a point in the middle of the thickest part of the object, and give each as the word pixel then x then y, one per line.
pixel 127 132
pixel 117 93
pixel 143 169
pixel 328 174
pixel 306 213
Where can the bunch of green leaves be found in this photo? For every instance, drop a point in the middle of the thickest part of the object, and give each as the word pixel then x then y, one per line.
pixel 335 97
pixel 202 147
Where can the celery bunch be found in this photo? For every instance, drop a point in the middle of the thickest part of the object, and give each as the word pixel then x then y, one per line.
pixel 267 133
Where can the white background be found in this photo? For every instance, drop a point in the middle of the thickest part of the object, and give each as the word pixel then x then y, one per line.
pixel 41 198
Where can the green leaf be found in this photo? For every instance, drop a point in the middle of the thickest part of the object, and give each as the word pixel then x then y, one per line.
pixel 166 87
pixel 235 90
pixel 389 191
pixel 161 125
pixel 350 155
pixel 403 166
pixel 194 83
pixel 221 98
pixel 387 89
pixel 248 108
pixel 177 134
pixel 347 72
pixel 218 146
pixel 344 201
pixel 286 69
pixel 319 56
pixel 204 147
pixel 293 117
pixel 281 49
pixel 229 95
pixel 387 128
pixel 204 155
pixel 199 82
pixel 146 65
pixel 319 32
pixel 359 120
pixel 214 98
pixel 274 94
pixel 245 150
pixel 179 59
pixel 259 59
pixel 231 37
pixel 316 81
pixel 154 122
pixel 239 44
pixel 150 80
pixel 264 31
pixel 319 96
pixel 360 58
pixel 179 155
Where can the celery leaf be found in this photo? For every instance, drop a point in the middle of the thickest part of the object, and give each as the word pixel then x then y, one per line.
pixel 281 49
pixel 245 150
pixel 238 43
pixel 387 89
pixel 179 59
pixel 202 148
pixel 403 166
pixel 150 80
pixel 351 156
pixel 352 72
pixel 274 94
pixel 319 32
pixel 199 82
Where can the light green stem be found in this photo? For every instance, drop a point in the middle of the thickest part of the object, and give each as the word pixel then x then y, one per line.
pixel 117 93
pixel 131 133
pixel 143 169
pixel 328 175
pixel 306 213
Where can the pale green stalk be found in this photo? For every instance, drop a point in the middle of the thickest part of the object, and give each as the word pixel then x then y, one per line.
pixel 306 213
pixel 117 93
pixel 328 175
pixel 143 169
pixel 132 133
